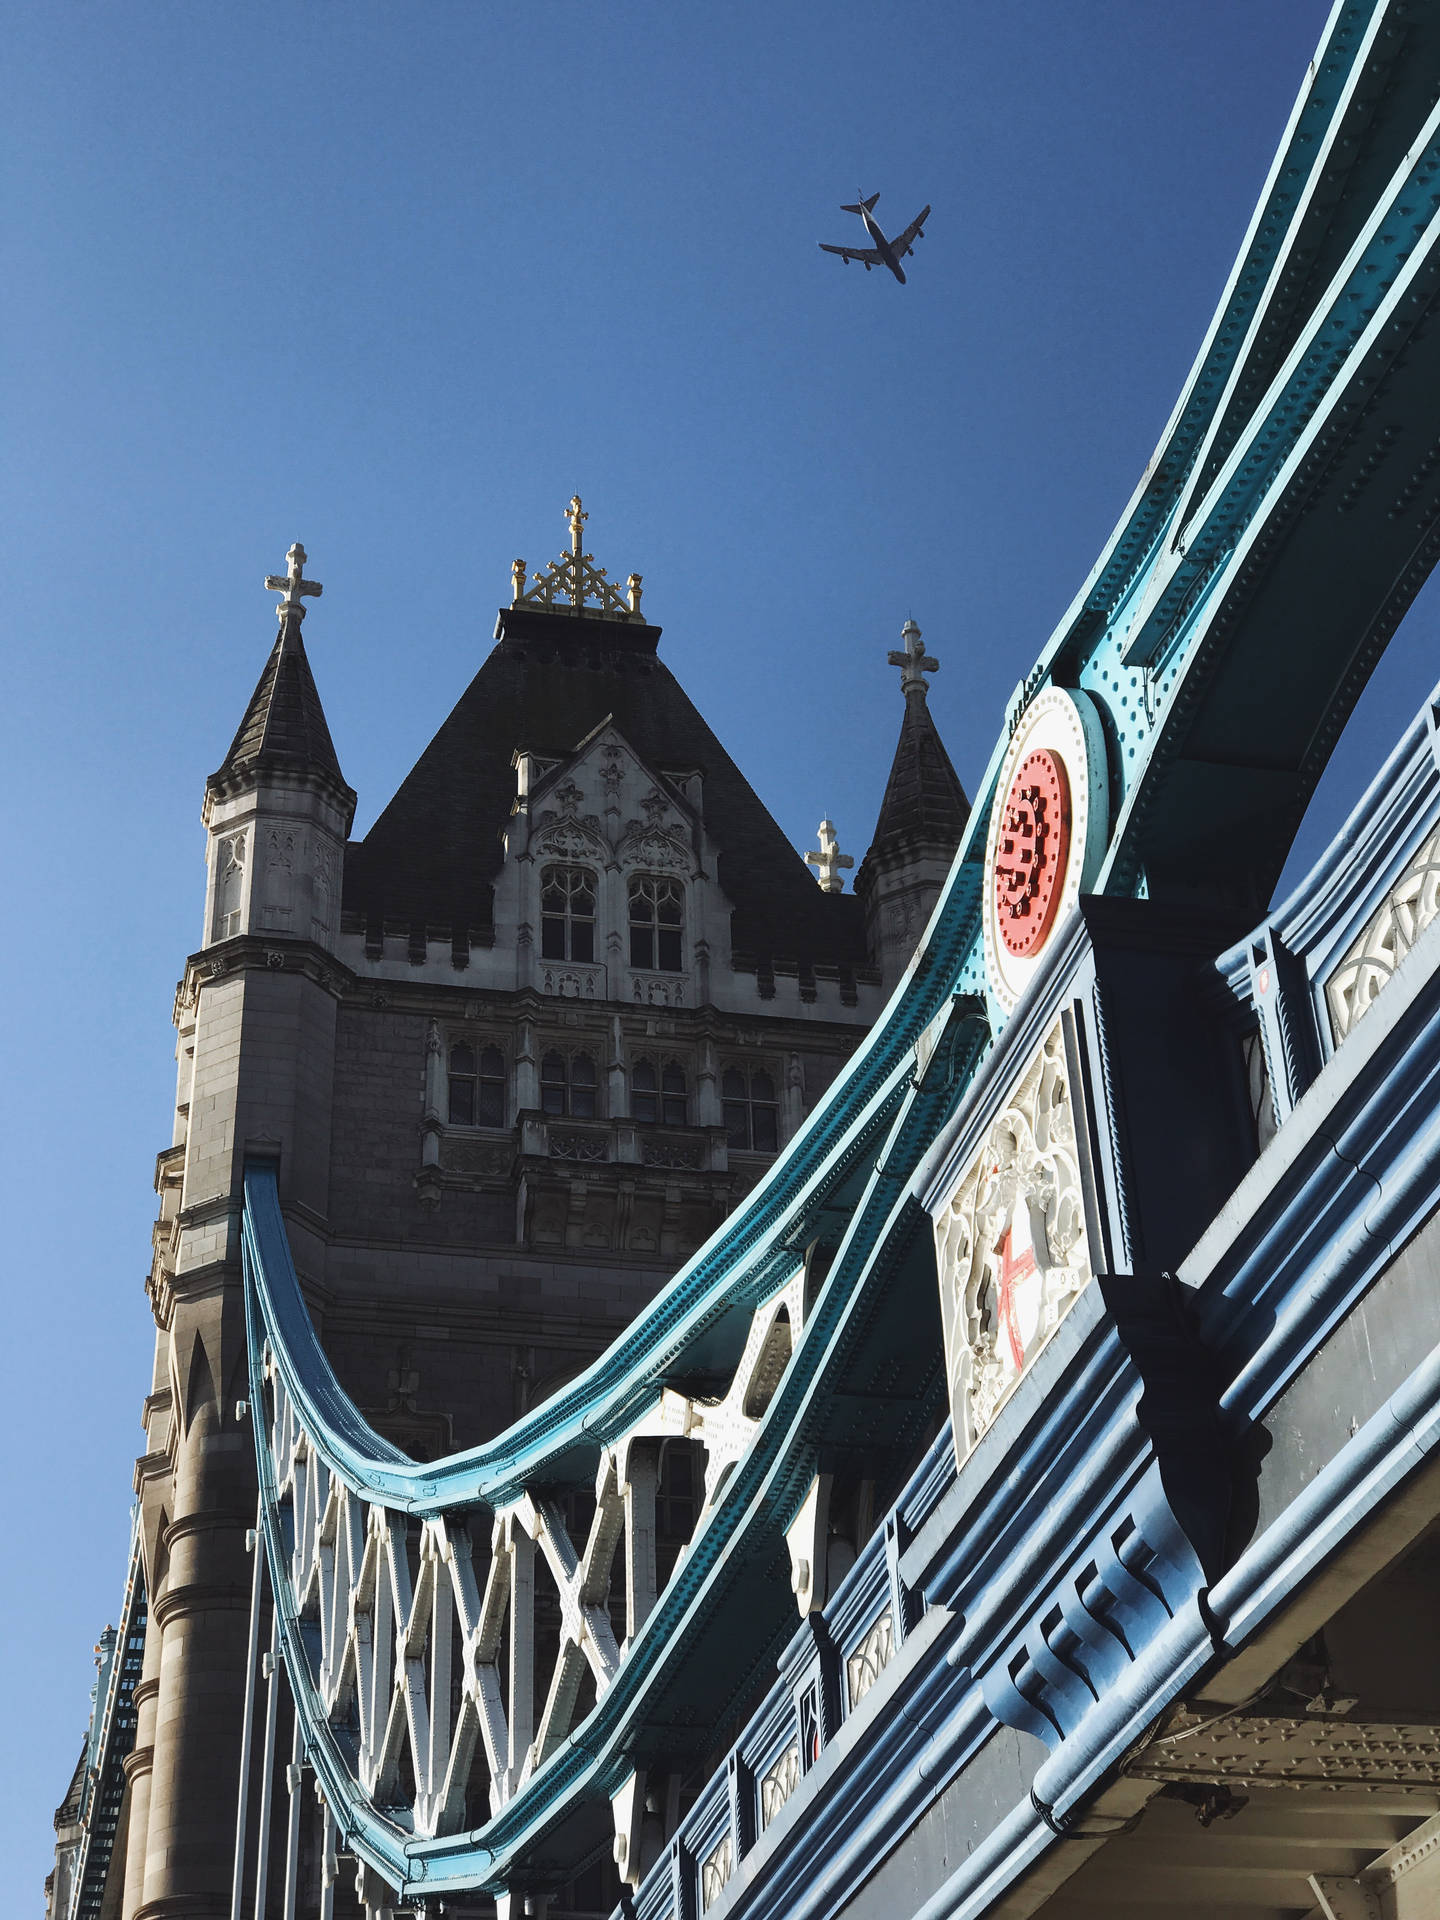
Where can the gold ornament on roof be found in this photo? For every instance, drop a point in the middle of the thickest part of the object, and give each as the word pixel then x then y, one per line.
pixel 574 584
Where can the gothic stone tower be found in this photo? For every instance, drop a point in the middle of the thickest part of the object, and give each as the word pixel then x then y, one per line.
pixel 516 1054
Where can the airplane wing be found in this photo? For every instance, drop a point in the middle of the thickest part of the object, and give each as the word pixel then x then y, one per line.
pixel 915 231
pixel 868 255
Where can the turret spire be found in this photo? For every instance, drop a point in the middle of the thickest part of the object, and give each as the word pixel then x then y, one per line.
pixel 284 726
pixel 922 818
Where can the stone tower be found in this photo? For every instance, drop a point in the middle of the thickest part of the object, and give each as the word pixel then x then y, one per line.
pixel 516 1054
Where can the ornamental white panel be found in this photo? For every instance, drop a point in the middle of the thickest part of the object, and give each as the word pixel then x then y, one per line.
pixel 1369 966
pixel 1011 1246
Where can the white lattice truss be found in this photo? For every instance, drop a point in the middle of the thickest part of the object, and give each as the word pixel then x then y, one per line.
pixel 419 1651
pixel 1369 966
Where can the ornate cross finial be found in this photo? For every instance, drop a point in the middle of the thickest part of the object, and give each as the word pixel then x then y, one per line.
pixel 577 520
pixel 575 581
pixel 914 663
pixel 829 860
pixel 293 585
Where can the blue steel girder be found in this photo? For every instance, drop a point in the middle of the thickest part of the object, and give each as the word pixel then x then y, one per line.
pixel 1286 520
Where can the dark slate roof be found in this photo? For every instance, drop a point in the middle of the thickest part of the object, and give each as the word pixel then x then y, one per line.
pixel 924 804
pixel 68 1812
pixel 432 856
pixel 284 725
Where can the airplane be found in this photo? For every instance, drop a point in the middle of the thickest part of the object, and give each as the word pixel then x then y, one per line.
pixel 884 253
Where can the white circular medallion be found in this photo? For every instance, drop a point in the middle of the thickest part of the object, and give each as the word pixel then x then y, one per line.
pixel 1047 835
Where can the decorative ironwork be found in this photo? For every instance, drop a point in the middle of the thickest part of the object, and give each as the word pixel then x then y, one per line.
pixel 779 1783
pixel 1392 930
pixel 870 1659
pixel 574 581
pixel 420 1635
pixel 714 1873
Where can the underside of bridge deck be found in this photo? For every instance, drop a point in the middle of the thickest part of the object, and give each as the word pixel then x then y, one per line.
pixel 1319 1799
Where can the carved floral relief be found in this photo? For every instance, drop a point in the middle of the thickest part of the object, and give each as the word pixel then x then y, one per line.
pixel 1010 1242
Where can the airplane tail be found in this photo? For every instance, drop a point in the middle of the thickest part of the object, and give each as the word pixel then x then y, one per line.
pixel 864 206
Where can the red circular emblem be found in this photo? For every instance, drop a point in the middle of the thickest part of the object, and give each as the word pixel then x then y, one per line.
pixel 1031 851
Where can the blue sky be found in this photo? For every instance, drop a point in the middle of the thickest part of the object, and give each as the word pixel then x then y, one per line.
pixel 396 281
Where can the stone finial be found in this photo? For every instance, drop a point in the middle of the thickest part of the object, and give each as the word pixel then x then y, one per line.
pixel 828 860
pixel 293 585
pixel 914 663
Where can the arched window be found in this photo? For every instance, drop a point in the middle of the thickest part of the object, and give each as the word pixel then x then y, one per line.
pixel 568 1085
pixel 229 885
pixel 567 914
pixel 477 1086
pixel 657 919
pixel 750 1109
pixel 658 1093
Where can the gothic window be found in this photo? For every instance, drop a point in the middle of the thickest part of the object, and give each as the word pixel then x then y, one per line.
pixel 477 1086
pixel 568 1085
pixel 658 1093
pixel 229 886
pixel 750 1109
pixel 657 917
pixel 567 914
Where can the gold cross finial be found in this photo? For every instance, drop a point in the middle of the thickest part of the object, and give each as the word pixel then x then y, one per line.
pixel 293 585
pixel 828 860
pixel 914 663
pixel 574 580
pixel 577 521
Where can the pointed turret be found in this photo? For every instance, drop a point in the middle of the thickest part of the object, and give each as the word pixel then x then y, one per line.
pixel 922 817
pixel 284 730
pixel 278 801
pixel 284 726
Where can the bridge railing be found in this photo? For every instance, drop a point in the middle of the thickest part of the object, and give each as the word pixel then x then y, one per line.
pixel 1310 973
pixel 826 1674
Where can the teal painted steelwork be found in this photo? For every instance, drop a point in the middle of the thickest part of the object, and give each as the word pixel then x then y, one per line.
pixel 1168 637
pixel 1314 1224
pixel 111 1739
